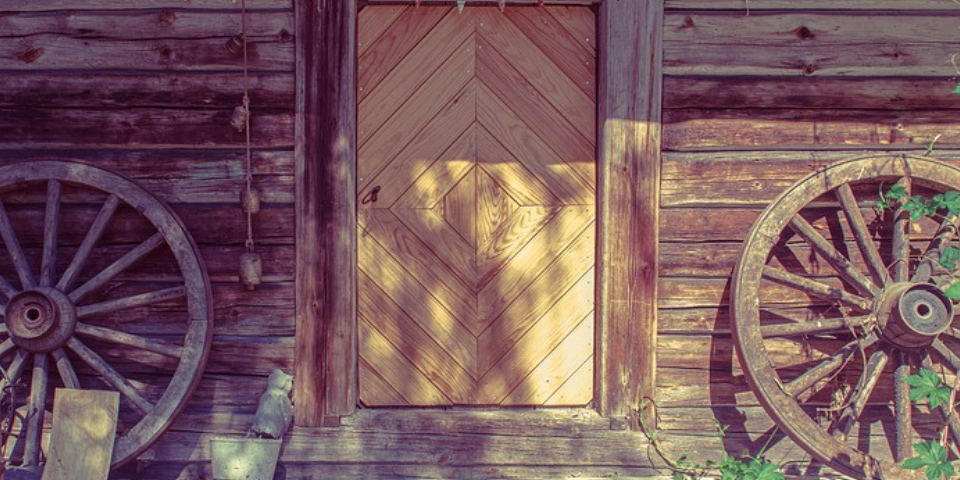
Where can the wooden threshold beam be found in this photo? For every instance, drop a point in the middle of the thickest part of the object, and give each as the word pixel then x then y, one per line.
pixel 629 102
pixel 484 2
pixel 325 365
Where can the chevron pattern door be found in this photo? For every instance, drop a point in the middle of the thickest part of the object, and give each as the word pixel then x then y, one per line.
pixel 476 205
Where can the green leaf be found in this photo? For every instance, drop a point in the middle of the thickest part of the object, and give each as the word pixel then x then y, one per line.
pixel 932 456
pixel 949 201
pixel 927 385
pixel 953 291
pixel 914 463
pixel 896 192
pixel 956 89
pixel 949 257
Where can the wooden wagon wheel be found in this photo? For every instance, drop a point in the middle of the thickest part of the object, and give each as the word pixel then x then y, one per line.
pixel 830 314
pixel 75 313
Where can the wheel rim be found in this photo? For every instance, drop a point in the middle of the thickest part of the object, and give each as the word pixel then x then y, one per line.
pixel 890 317
pixel 59 307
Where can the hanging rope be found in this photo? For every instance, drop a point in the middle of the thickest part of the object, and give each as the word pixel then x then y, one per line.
pixel 251 265
pixel 246 125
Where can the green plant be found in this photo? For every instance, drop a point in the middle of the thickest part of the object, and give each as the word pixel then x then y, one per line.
pixel 944 207
pixel 927 387
pixel 745 467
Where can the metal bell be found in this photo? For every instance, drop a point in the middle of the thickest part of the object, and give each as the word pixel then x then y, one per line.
pixel 251 270
pixel 250 200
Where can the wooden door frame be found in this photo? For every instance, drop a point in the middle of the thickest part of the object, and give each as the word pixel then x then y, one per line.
pixel 628 149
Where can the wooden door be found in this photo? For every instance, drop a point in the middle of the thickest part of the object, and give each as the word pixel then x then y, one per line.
pixel 476 205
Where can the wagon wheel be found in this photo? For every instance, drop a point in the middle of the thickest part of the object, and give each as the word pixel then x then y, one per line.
pixel 80 313
pixel 828 329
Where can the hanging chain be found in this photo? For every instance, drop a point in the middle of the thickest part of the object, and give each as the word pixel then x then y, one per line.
pixel 246 108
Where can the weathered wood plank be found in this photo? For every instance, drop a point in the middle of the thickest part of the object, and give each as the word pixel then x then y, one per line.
pixel 308 471
pixel 81 441
pixel 807 129
pixel 95 89
pixel 717 224
pixel 197 178
pixel 809 31
pixel 524 446
pixel 134 24
pixel 50 51
pixel 509 2
pixel 154 127
pixel 630 90
pixel 326 347
pixel 751 179
pixel 687 292
pixel 229 5
pixel 207 223
pixel 806 44
pixel 911 60
pixel 859 93
pixel 742 6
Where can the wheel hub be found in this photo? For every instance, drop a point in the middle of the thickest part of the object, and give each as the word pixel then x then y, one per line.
pixel 912 315
pixel 41 319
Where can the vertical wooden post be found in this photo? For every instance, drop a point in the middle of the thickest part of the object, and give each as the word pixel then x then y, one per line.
pixel 630 84
pixel 325 368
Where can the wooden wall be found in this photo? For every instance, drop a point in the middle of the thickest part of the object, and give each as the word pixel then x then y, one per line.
pixel 757 94
pixel 147 89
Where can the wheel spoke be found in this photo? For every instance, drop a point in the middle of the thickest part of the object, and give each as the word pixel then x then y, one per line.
pixel 34 419
pixel 858 400
pixel 7 289
pixel 813 327
pixel 816 289
pixel 7 346
pixel 868 249
pixel 117 267
pixel 14 250
pixel 828 366
pixel 139 300
pixel 931 257
pixel 89 241
pixel 15 369
pixel 947 354
pixel 836 259
pixel 901 238
pixel 130 340
pixel 111 375
pixel 51 219
pixel 67 373
pixel 903 409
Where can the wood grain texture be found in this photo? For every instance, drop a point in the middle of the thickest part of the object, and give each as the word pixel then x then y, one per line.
pixel 81 441
pixel 629 175
pixel 808 44
pixel 326 358
pixel 476 216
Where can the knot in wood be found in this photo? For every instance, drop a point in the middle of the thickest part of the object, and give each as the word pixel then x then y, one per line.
pixel 168 16
pixel 30 55
pixel 235 44
pixel 804 33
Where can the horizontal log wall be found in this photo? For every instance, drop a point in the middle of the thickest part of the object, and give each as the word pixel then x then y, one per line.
pixel 147 89
pixel 757 94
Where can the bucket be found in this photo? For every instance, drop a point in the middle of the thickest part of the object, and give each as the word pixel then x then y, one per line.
pixel 244 458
